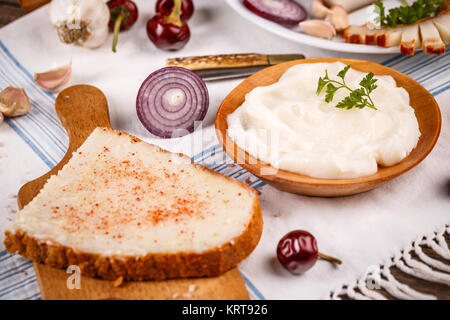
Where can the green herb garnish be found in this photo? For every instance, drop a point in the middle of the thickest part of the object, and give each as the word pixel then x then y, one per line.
pixel 408 14
pixel 358 98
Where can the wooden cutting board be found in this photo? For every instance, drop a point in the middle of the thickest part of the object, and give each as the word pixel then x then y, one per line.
pixel 87 109
pixel 30 5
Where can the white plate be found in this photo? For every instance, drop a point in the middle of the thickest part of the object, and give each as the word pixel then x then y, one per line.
pixel 337 44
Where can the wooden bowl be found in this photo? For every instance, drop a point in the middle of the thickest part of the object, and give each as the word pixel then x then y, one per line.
pixel 425 107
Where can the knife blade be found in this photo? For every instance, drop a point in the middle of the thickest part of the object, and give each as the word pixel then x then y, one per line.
pixel 229 66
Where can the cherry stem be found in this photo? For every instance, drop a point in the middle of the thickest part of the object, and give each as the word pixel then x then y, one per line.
pixel 174 17
pixel 329 258
pixel 117 25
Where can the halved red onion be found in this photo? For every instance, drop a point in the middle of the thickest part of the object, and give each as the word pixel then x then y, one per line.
pixel 171 100
pixel 281 11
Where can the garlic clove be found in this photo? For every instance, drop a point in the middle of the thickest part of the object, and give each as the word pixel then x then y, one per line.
pixel 318 28
pixel 318 9
pixel 338 17
pixel 14 102
pixel 55 78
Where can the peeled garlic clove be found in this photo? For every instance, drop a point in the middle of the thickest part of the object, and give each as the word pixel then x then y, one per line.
pixel 318 9
pixel 55 78
pixel 338 17
pixel 318 28
pixel 14 102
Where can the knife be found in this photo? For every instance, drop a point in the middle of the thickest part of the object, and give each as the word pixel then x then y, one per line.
pixel 229 66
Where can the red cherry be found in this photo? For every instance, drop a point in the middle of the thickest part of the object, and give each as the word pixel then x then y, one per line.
pixel 126 8
pixel 297 252
pixel 123 14
pixel 165 8
pixel 167 36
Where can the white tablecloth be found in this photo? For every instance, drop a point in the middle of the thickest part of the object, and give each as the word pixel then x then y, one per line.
pixel 362 230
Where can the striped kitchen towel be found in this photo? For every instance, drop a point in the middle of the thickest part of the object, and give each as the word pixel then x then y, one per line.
pixel 44 134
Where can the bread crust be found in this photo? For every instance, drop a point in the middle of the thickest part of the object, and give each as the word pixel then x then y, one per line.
pixel 153 266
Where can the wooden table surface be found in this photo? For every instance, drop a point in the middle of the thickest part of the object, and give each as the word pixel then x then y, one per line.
pixel 9 11
pixel 13 9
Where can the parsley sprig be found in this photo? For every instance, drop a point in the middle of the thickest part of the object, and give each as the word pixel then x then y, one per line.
pixel 358 98
pixel 408 14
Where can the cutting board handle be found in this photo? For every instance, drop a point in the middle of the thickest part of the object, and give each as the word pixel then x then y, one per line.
pixel 81 109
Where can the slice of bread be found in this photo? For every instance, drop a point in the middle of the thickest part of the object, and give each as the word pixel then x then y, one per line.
pixel 124 208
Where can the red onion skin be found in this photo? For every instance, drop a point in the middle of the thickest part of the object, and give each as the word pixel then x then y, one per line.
pixel 165 7
pixel 281 20
pixel 146 105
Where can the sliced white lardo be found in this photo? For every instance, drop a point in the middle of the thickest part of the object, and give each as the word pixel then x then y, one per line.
pixel 431 40
pixel 120 196
pixel 410 40
pixel 442 23
pixel 389 37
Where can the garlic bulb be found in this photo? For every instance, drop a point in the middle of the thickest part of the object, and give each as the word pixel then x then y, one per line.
pixel 82 22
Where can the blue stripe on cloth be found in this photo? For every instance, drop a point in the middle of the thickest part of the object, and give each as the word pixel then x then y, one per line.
pixel 30 280
pixel 237 171
pixel 14 268
pixel 252 288
pixel 36 150
pixel 36 296
pixel 413 67
pixel 205 153
pixel 14 60
pixel 390 60
pixel 443 89
pixel 40 116
pixel 219 167
pixel 41 122
pixel 42 131
pixel 17 279
pixel 438 70
pixel 257 185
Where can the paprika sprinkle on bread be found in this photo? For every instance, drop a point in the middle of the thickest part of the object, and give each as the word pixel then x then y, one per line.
pixel 124 208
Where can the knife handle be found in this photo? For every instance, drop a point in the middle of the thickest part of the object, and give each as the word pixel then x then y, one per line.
pixel 222 61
